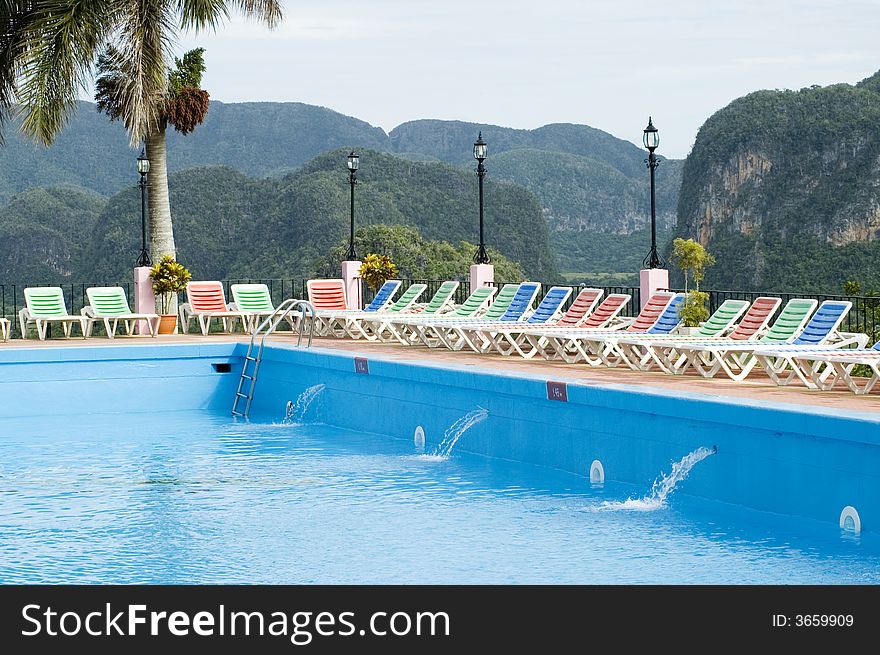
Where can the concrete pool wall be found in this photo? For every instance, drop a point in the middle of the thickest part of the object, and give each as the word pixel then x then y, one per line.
pixel 792 460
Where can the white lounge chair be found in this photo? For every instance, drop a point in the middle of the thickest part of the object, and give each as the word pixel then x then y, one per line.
pixel 109 305
pixel 206 301
pixel 44 306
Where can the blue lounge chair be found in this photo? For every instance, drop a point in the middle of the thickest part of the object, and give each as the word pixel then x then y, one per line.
pixel 489 336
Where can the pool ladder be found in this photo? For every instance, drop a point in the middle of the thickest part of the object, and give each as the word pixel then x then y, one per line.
pixel 253 358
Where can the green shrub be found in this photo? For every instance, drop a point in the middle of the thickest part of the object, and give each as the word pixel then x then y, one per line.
pixel 695 309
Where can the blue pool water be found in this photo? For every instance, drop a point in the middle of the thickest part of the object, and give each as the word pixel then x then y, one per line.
pixel 193 497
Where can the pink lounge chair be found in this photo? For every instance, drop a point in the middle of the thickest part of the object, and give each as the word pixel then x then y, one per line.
pixel 206 301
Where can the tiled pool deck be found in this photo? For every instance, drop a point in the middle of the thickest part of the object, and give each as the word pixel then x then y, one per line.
pixel 757 387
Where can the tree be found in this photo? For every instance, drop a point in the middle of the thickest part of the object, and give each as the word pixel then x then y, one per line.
pixel 49 50
pixel 184 106
pixel 692 259
pixel 415 256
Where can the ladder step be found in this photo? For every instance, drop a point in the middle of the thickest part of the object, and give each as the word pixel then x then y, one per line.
pixel 246 377
pixel 239 393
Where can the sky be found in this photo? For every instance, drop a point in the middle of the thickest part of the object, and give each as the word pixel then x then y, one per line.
pixel 605 63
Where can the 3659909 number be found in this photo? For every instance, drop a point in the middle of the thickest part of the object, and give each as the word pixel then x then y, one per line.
pixel 823 620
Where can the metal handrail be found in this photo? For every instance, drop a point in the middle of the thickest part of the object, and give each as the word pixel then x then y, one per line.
pixel 264 329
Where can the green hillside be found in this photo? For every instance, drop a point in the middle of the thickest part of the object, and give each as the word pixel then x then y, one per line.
pixel 257 138
pixel 782 187
pixel 44 232
pixel 584 194
pixel 585 180
pixel 452 141
pixel 228 224
pixel 594 188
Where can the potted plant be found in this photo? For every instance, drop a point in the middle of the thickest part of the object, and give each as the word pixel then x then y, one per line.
pixel 169 278
pixel 376 269
pixel 692 259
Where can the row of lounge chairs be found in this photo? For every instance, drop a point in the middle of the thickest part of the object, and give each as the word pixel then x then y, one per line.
pixel 801 340
pixel 206 302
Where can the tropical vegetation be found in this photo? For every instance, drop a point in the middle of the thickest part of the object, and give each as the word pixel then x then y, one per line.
pixel 782 187
pixel 50 49
pixel 232 225
pixel 416 257
pixel 692 260
pixel 169 278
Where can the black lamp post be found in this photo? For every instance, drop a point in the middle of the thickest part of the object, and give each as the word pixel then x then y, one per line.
pixel 352 163
pixel 481 150
pixel 651 139
pixel 143 167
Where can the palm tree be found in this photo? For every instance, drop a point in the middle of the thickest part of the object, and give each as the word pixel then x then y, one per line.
pixel 49 50
pixel 184 106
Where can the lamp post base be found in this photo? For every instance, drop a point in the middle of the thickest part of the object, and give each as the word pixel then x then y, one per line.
pixel 650 281
pixel 351 275
pixel 144 298
pixel 481 275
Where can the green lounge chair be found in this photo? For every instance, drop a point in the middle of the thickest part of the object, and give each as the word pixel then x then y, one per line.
pixel 439 331
pixel 44 306
pixel 109 304
pixel 256 301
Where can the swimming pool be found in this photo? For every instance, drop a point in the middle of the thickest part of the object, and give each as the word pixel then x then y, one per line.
pixel 96 489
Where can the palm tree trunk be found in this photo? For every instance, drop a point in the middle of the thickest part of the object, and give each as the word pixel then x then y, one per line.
pixel 161 228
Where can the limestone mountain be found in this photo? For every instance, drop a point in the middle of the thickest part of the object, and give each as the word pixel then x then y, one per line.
pixel 585 180
pixel 782 186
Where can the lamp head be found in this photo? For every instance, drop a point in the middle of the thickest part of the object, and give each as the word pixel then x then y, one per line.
pixel 481 148
pixel 651 137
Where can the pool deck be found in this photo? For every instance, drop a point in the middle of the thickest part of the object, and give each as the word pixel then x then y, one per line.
pixel 757 387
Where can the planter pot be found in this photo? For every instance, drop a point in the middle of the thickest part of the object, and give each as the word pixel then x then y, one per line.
pixel 686 331
pixel 167 323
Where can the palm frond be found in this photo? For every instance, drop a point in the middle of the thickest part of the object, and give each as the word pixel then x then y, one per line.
pixel 14 16
pixel 109 82
pixel 147 30
pixel 267 11
pixel 202 14
pixel 57 46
